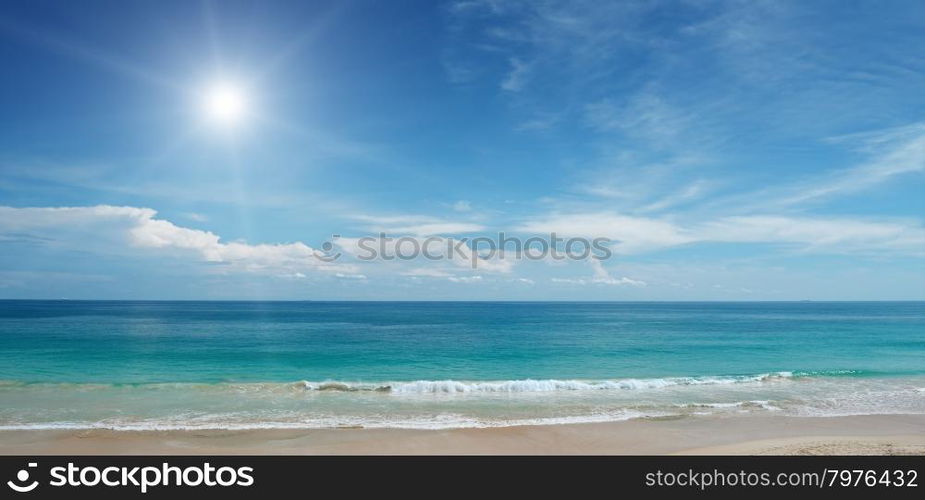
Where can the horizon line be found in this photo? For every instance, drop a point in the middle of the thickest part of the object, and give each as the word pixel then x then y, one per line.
pixel 467 301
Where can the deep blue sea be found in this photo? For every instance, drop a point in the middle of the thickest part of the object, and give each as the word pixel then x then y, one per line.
pixel 143 365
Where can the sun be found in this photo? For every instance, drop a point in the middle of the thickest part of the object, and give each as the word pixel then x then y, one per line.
pixel 225 104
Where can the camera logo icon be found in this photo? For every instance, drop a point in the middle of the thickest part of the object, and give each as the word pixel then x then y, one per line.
pixel 19 485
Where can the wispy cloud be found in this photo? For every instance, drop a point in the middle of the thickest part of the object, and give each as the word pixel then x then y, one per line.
pixel 427 272
pixel 890 154
pixel 686 194
pixel 196 217
pixel 462 206
pixel 465 279
pixel 633 235
pixel 645 116
pixel 419 225
pixel 828 235
pixel 703 80
pixel 517 78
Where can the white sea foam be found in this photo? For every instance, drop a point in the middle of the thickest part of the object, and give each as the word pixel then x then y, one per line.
pixel 446 404
pixel 743 405
pixel 824 401
pixel 436 422
pixel 530 385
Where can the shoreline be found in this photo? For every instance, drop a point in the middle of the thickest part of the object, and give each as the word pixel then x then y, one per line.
pixel 732 435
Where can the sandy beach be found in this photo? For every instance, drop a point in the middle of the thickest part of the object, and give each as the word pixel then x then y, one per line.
pixel 746 435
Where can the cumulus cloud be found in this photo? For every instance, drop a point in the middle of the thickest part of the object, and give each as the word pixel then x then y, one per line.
pixel 138 228
pixel 600 277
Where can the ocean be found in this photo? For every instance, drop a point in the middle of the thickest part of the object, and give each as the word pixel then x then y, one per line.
pixel 241 365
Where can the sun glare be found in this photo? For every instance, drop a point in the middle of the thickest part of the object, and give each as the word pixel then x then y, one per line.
pixel 225 104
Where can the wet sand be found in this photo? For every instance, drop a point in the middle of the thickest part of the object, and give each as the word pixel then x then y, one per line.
pixel 745 435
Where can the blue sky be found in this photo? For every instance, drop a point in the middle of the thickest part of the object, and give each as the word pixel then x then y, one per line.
pixel 730 150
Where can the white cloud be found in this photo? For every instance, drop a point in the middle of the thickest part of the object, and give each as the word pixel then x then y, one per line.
pixel 424 272
pixel 645 116
pixel 108 227
pixel 196 217
pixel 632 183
pixel 462 206
pixel 351 276
pixel 587 281
pixel 438 228
pixel 37 217
pixel 600 277
pixel 692 191
pixel 540 121
pixel 603 277
pixel 516 79
pixel 630 234
pixel 420 225
pixel 891 153
pixel 834 235
pixel 634 235
pixel 465 279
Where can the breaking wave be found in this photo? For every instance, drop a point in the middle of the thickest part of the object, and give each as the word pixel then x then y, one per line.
pixel 530 385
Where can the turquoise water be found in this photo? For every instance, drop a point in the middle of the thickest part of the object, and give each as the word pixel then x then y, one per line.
pixel 436 364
